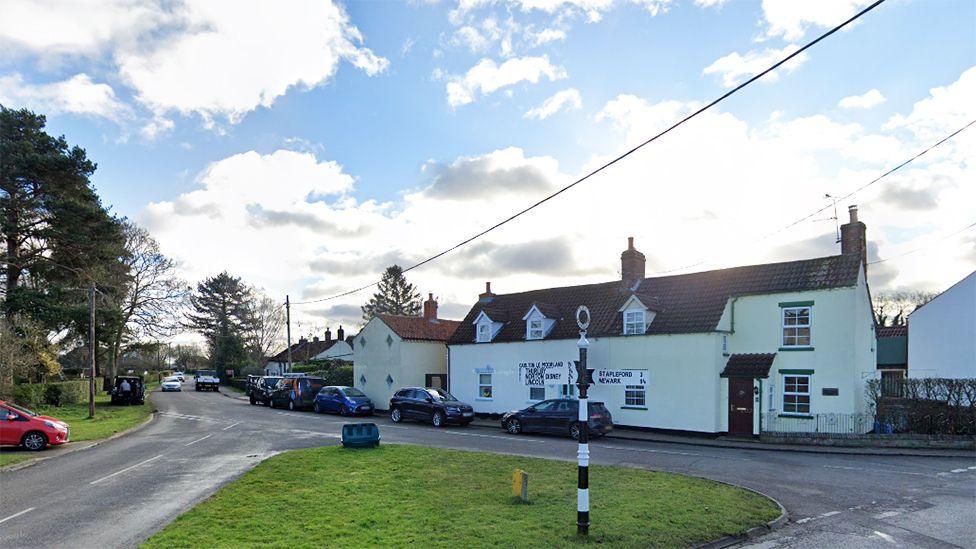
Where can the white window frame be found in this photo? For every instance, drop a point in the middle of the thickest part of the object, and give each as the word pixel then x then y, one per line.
pixel 635 396
pixel 535 328
pixel 796 394
pixel 635 322
pixel 531 387
pixel 482 386
pixel 796 328
pixel 484 332
pixel 568 390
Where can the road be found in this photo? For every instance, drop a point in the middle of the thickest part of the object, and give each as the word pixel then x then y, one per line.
pixel 119 493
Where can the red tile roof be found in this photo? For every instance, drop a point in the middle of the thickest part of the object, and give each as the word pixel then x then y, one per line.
pixel 419 328
pixel 688 303
pixel 893 331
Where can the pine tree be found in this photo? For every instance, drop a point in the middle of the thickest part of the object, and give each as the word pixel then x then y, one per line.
pixel 394 296
pixel 220 314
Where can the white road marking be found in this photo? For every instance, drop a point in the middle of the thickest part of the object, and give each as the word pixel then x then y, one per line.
pixel 972 468
pixel 126 469
pixel 198 440
pixel 958 470
pixel 668 452
pixel 15 515
pixel 461 433
pixel 869 470
pixel 802 520
pixel 884 536
pixel 829 514
pixel 231 425
pixel 887 514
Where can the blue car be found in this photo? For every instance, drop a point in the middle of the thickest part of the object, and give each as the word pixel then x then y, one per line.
pixel 346 401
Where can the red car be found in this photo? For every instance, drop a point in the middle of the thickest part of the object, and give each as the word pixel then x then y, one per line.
pixel 22 427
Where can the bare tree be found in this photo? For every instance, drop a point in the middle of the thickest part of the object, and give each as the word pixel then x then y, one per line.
pixel 154 299
pixel 265 326
pixel 891 308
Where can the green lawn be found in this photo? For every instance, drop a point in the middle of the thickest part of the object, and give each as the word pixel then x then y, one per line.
pixel 108 421
pixel 400 495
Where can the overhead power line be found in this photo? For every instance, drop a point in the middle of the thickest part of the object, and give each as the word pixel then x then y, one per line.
pixel 838 199
pixel 603 167
pixel 920 248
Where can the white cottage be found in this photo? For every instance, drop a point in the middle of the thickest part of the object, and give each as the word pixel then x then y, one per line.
pixel 783 345
pixel 393 351
pixel 307 350
pixel 942 334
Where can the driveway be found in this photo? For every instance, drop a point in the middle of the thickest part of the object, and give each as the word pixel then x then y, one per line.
pixel 120 492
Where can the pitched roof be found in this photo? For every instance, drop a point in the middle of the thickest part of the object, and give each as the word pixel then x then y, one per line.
pixel 419 328
pixel 893 331
pixel 748 365
pixel 304 349
pixel 688 303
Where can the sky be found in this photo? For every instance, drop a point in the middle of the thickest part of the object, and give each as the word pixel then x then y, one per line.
pixel 304 146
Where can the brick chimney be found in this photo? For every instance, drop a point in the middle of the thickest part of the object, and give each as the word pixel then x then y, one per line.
pixel 487 296
pixel 302 340
pixel 632 264
pixel 328 335
pixel 341 334
pixel 430 307
pixel 853 239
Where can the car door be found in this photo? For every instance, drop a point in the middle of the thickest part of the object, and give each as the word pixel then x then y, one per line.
pixel 9 432
pixel 533 419
pixel 423 407
pixel 333 400
pixel 562 415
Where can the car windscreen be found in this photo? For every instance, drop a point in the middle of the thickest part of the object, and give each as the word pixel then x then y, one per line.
pixel 441 394
pixel 353 392
pixel 206 373
pixel 22 410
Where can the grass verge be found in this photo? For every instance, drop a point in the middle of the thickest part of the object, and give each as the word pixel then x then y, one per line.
pixel 400 495
pixel 108 420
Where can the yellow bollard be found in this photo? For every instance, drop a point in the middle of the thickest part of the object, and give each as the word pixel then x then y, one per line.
pixel 520 485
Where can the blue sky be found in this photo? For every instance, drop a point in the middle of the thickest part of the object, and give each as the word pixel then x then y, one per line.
pixel 376 136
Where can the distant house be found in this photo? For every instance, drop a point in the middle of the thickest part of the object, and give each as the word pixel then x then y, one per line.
pixel 942 334
pixel 394 351
pixel 785 346
pixel 892 356
pixel 308 350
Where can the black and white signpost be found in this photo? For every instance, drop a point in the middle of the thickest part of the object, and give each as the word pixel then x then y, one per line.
pixel 583 453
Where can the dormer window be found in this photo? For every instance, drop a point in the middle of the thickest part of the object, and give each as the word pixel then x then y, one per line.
pixel 484 332
pixel 485 328
pixel 536 330
pixel 634 323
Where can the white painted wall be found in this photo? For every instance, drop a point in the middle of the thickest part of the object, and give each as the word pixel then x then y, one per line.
pixel 339 350
pixel 386 354
pixel 942 334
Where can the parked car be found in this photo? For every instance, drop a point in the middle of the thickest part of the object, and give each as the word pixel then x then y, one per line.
pixel 259 388
pixel 296 393
pixel 343 400
pixel 180 375
pixel 22 427
pixel 429 404
pixel 558 416
pixel 171 383
pixel 136 393
pixel 206 380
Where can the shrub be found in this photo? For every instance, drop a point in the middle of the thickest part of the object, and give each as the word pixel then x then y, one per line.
pixel 925 405
pixel 67 392
pixel 28 394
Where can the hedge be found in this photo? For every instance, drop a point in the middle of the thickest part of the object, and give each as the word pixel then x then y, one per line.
pixel 52 394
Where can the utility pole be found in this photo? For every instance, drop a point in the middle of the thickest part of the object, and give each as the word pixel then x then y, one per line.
pixel 288 328
pixel 91 350
pixel 583 451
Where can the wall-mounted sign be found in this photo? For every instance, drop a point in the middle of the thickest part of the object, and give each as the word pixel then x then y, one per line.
pixel 620 377
pixel 558 372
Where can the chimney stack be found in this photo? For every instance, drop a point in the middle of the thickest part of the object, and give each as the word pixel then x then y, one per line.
pixel 853 238
pixel 487 296
pixel 341 334
pixel 632 265
pixel 302 340
pixel 430 308
pixel 328 335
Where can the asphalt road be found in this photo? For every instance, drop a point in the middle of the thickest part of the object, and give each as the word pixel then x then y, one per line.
pixel 120 492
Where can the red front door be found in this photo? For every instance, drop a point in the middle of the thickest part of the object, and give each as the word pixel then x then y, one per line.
pixel 740 406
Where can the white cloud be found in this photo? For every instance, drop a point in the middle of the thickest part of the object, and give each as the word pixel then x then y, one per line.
pixel 790 19
pixel 592 8
pixel 735 67
pixel 866 100
pixel 568 99
pixel 76 95
pixel 546 36
pixel 487 76
pixel 710 3
pixel 228 61
pixel 945 110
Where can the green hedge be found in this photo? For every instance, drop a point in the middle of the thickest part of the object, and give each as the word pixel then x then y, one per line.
pixel 53 394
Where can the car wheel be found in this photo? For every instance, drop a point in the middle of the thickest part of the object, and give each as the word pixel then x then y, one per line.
pixel 252 401
pixel 437 419
pixel 271 403
pixel 291 405
pixel 316 408
pixel 34 441
pixel 513 426
pixel 396 415
pixel 574 431
pixel 343 411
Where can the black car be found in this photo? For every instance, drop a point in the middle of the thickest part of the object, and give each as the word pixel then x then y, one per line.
pixel 434 405
pixel 296 393
pixel 558 416
pixel 259 388
pixel 136 393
